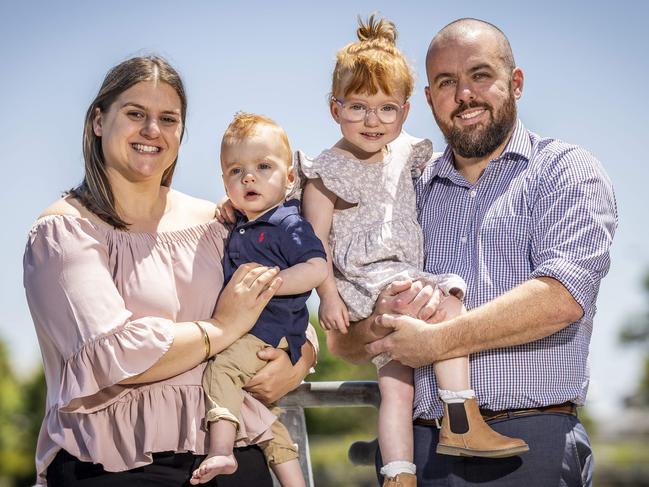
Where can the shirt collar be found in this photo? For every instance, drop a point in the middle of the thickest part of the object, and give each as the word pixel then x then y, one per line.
pixel 273 216
pixel 519 144
pixel 518 147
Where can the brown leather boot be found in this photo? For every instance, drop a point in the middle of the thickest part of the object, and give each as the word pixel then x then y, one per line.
pixel 465 433
pixel 401 480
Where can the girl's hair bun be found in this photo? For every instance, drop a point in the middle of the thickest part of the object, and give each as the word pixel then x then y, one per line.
pixel 374 28
pixel 372 63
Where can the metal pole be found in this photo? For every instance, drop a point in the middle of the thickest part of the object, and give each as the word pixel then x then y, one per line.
pixel 326 394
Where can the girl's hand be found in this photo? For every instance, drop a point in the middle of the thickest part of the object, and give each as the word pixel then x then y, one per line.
pixel 243 299
pixel 333 313
pixel 278 377
pixel 225 211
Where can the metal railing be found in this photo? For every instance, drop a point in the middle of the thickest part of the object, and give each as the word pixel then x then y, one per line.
pixel 327 394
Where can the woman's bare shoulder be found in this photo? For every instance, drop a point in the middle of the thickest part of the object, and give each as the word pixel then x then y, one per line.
pixel 68 206
pixel 196 211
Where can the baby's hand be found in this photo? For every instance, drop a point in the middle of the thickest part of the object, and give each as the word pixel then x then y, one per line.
pixel 225 211
pixel 333 313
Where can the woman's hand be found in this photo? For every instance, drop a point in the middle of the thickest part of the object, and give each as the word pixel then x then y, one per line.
pixel 242 301
pixel 333 314
pixel 278 377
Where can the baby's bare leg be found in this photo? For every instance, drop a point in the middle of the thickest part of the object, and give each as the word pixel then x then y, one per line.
pixel 395 416
pixel 289 473
pixel 220 457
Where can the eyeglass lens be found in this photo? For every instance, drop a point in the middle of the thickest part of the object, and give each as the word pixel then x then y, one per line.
pixel 355 112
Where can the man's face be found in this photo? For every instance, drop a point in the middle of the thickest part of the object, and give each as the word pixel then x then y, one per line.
pixel 472 94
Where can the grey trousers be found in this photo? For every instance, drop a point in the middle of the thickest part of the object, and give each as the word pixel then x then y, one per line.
pixel 559 456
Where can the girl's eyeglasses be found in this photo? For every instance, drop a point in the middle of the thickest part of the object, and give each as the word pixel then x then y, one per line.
pixel 356 111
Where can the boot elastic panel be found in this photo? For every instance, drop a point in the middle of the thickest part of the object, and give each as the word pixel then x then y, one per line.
pixel 458 421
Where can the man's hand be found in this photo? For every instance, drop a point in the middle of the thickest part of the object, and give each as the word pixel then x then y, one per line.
pixel 410 340
pixel 400 297
pixel 415 299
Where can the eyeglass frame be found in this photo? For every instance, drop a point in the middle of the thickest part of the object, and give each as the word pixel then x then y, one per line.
pixel 369 109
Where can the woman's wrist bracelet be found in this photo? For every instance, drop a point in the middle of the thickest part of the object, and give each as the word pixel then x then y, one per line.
pixel 206 340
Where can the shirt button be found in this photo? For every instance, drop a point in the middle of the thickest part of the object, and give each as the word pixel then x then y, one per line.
pixel 463 239
pixel 473 193
pixel 242 231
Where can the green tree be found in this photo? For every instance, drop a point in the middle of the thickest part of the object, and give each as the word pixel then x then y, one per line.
pixel 34 391
pixel 636 332
pixel 15 459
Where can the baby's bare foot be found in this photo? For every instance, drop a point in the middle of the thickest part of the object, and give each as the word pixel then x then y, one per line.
pixel 213 466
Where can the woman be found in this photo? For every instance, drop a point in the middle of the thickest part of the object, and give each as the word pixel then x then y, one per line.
pixel 122 277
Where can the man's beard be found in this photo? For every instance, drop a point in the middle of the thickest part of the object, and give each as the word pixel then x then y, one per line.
pixel 477 141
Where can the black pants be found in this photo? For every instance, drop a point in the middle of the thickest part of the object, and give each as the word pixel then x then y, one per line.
pixel 167 470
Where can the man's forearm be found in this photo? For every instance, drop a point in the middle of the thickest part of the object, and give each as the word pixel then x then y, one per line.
pixel 531 311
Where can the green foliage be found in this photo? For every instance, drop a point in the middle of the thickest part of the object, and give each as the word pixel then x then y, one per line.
pixel 636 332
pixel 34 392
pixel 331 467
pixel 21 413
pixel 340 420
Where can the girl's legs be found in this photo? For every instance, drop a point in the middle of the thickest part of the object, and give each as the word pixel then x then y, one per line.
pixel 464 431
pixel 289 473
pixel 453 374
pixel 395 420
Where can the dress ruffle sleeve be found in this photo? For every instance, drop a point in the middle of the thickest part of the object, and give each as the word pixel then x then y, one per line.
pixel 326 169
pixel 87 335
pixel 420 156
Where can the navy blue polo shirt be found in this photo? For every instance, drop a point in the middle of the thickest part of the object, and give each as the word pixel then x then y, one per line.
pixel 282 238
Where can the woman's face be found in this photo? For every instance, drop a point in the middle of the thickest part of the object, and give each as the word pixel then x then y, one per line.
pixel 140 132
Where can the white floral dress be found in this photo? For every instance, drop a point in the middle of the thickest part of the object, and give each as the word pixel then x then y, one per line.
pixel 378 240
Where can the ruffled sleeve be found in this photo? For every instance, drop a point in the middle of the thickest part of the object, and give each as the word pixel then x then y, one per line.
pixel 89 340
pixel 421 154
pixel 330 168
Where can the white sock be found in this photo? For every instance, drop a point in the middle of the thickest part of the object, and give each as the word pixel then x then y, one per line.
pixel 393 469
pixel 452 397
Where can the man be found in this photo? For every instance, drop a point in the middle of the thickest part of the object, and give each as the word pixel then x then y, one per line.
pixel 528 223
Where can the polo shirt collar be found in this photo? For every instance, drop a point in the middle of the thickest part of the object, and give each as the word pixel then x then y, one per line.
pixel 274 216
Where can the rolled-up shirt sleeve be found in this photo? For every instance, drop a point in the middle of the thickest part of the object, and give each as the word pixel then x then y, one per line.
pixel 89 340
pixel 573 222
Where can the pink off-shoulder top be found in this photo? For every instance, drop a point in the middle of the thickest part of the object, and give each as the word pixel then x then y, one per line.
pixel 104 303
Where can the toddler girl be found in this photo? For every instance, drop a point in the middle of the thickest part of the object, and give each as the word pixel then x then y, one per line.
pixel 360 199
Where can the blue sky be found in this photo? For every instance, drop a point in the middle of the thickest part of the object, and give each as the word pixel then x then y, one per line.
pixel 585 67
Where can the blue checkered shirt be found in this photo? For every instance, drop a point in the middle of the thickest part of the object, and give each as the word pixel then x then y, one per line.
pixel 543 208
